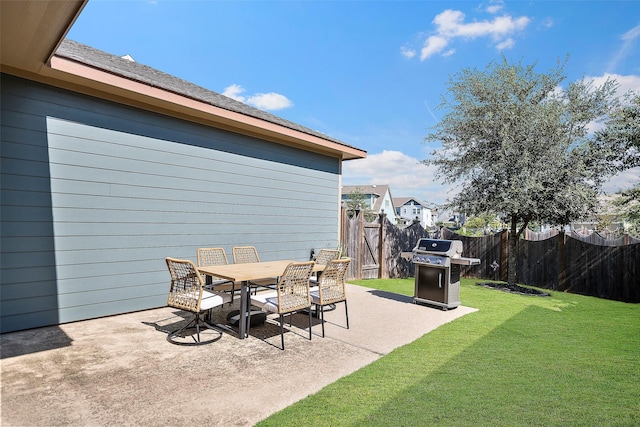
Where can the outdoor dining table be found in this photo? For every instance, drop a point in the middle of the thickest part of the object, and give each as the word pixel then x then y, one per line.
pixel 245 273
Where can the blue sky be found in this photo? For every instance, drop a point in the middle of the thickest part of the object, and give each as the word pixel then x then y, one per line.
pixel 369 73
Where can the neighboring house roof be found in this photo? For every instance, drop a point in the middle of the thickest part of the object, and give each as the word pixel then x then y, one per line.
pixel 377 190
pixel 400 201
pixel 33 47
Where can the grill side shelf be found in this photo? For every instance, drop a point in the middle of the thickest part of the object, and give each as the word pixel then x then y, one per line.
pixel 465 261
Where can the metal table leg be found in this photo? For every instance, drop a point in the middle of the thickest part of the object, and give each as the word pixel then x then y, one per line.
pixel 244 304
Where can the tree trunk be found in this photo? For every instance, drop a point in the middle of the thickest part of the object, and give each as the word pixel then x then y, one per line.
pixel 512 262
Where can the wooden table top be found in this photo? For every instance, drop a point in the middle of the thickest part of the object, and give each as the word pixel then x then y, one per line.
pixel 250 271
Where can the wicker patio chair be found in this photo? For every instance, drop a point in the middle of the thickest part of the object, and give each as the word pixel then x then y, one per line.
pixel 324 256
pixel 216 256
pixel 331 288
pixel 187 293
pixel 292 294
pixel 246 254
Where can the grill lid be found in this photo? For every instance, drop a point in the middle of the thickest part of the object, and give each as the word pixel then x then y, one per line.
pixel 450 248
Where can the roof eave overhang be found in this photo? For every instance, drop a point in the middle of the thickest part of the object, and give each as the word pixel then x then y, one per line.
pixel 79 77
pixel 31 31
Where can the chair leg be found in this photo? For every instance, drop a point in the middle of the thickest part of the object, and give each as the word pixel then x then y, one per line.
pixel 309 323
pixel 198 328
pixel 282 330
pixel 248 320
pixel 322 319
pixel 346 312
pixel 198 323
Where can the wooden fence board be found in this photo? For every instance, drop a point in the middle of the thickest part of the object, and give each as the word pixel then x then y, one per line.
pixel 488 249
pixel 538 262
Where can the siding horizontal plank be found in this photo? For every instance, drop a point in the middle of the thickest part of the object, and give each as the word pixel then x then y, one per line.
pixel 96 195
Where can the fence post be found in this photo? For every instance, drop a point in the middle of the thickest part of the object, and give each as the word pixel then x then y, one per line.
pixel 382 271
pixel 360 217
pixel 342 231
pixel 504 254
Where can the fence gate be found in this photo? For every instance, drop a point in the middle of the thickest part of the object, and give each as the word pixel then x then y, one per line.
pixel 370 252
pixel 361 242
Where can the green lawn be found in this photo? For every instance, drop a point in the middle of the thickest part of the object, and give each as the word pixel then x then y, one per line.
pixel 564 360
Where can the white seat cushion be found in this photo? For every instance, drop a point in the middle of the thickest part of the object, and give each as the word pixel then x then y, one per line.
pixel 267 301
pixel 327 294
pixel 212 299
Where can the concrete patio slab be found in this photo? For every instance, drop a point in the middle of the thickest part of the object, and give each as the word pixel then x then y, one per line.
pixel 121 370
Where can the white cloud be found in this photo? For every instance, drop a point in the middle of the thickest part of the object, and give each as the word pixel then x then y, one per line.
pixel 495 8
pixel 234 92
pixel 622 181
pixel 547 22
pixel 407 53
pixel 628 41
pixel 632 34
pixel 264 101
pixel 269 101
pixel 433 45
pixel 626 83
pixel 626 179
pixel 449 52
pixel 405 175
pixel 507 44
pixel 408 177
pixel 450 25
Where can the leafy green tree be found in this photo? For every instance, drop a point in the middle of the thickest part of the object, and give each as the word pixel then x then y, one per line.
pixel 358 201
pixel 520 146
pixel 477 225
pixel 628 204
pixel 619 140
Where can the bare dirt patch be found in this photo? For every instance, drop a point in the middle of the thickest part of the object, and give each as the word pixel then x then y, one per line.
pixel 514 289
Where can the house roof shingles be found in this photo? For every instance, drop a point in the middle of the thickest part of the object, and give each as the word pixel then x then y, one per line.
pixel 147 75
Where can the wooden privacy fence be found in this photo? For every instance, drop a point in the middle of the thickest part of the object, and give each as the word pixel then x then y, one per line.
pixel 560 262
pixel 593 237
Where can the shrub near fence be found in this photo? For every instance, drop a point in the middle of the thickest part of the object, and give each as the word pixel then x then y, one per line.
pixel 560 262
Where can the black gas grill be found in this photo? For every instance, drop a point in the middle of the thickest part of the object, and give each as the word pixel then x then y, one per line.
pixel 437 272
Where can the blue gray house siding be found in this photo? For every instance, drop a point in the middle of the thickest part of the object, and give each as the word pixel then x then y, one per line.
pixel 94 196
